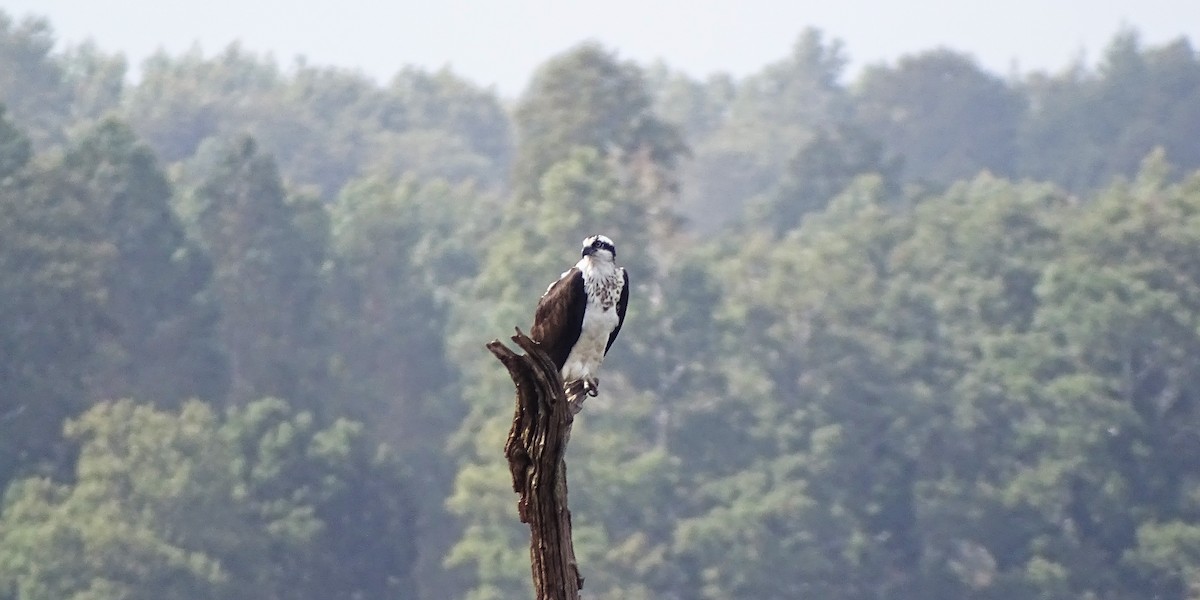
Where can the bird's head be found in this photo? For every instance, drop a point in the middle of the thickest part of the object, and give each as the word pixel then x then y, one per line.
pixel 600 248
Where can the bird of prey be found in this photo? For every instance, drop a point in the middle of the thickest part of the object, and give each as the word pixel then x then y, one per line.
pixel 580 315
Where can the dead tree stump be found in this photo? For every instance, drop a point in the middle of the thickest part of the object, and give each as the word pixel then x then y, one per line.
pixel 535 451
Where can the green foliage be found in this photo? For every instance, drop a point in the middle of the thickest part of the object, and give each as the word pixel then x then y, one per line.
pixel 174 102
pixel 324 126
pixel 1107 121
pixel 1120 345
pixel 400 253
pixel 399 249
pixel 944 114
pixel 262 504
pixel 695 107
pixel 442 126
pixel 587 98
pixel 821 169
pixel 95 80
pixel 146 517
pixel 30 79
pixel 765 118
pixel 933 388
pixel 1170 553
pixel 15 149
pixel 335 509
pixel 267 250
pixel 51 302
pixel 869 365
pixel 162 344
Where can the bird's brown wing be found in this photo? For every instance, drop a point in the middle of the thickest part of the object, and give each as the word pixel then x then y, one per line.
pixel 559 316
pixel 622 304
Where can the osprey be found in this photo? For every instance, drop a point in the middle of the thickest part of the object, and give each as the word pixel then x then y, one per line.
pixel 580 315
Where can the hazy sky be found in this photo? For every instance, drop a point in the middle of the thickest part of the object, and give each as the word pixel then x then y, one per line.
pixel 499 43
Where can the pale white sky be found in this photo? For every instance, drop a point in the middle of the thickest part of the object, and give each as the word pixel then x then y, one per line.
pixel 494 42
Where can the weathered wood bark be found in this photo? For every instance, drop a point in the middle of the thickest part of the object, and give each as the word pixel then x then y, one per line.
pixel 535 448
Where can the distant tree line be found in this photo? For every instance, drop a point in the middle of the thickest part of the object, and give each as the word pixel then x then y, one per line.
pixel 931 333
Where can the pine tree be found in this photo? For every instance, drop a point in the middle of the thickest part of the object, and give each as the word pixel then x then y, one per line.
pixel 267 250
pixel 160 342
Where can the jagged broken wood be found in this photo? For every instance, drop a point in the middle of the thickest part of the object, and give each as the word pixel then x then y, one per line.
pixel 535 451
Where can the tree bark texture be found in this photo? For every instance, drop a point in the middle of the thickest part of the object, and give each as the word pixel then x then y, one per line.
pixel 535 451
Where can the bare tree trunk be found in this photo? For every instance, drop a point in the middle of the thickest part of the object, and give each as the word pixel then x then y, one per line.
pixel 535 448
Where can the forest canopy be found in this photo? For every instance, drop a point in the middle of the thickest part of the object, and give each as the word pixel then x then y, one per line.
pixel 923 332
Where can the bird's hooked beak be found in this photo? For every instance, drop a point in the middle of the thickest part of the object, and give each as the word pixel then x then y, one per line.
pixel 588 251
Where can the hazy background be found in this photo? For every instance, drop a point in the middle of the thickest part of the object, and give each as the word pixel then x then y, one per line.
pixel 915 309
pixel 501 43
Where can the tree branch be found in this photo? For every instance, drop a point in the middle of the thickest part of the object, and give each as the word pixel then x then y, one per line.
pixel 535 451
